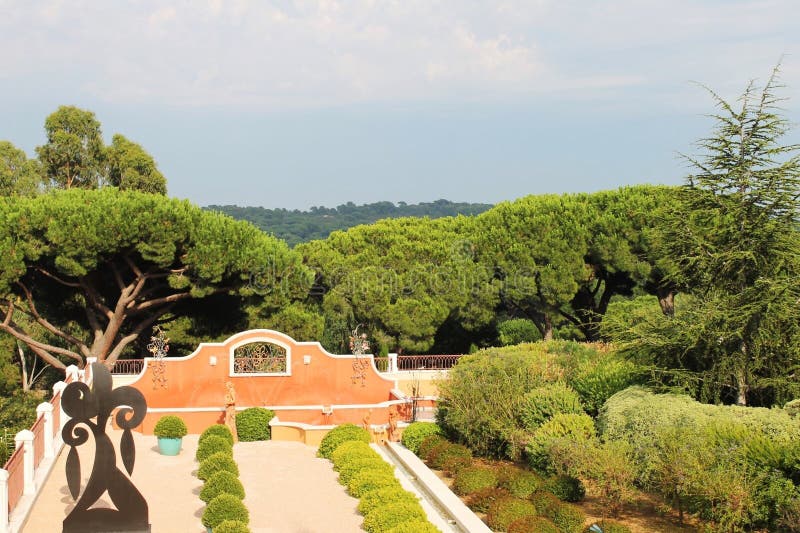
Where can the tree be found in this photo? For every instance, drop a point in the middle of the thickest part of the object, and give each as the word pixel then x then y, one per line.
pixel 131 168
pixel 97 269
pixel 19 176
pixel 73 154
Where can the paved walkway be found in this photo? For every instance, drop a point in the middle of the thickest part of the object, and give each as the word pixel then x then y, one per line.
pixel 289 489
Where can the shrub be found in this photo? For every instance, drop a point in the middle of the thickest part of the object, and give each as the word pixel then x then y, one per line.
pixel 544 502
pixel 353 467
pixel 383 496
pixel 218 430
pixel 445 451
pixel 792 408
pixel 533 524
pixel 598 379
pixel 232 526
pixel 211 445
pixel 608 526
pixel 517 331
pixel 454 464
pixel 565 488
pixel 368 480
pixel 387 516
pixel 521 483
pixel 570 426
pixel 253 424
pixel 349 450
pixel 170 427
pixel 542 403
pixel 222 482
pixel 474 478
pixel 215 463
pixel 340 434
pixel 480 500
pixel 414 526
pixel 504 511
pixel 416 432
pixel 427 444
pixel 225 507
pixel 568 518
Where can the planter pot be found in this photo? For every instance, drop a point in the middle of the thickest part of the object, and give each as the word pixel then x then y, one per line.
pixel 169 446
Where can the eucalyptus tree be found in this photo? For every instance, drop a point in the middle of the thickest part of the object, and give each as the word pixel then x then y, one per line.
pixel 96 269
pixel 130 167
pixel 73 156
pixel 19 176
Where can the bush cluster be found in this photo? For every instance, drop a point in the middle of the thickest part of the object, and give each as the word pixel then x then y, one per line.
pixel 340 434
pixel 416 432
pixel 390 515
pixel 379 497
pixel 222 491
pixel 253 424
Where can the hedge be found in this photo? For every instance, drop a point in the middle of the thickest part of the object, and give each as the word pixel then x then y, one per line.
pixel 577 427
pixel 210 445
pixel 480 500
pixel 368 480
pixel 218 430
pixel 543 403
pixel 348 470
pixel 416 432
pixel 414 526
pixel 340 434
pixel 222 482
pixel 390 515
pixel 383 496
pixel 215 463
pixel 252 424
pixel 473 479
pixel 350 449
pixel 504 511
pixel 520 483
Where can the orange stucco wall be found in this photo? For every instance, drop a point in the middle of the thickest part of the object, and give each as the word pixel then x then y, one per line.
pixel 195 386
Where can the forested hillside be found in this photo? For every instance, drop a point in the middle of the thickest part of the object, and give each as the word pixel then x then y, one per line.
pixel 295 226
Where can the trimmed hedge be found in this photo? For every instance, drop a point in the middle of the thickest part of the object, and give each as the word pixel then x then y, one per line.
pixel 544 502
pixel 414 526
pixel 215 463
pixel 480 500
pixel 568 518
pixel 394 514
pixel 211 445
pixel 427 444
pixel 252 424
pixel 368 480
pixel 349 469
pixel 473 479
pixel 222 482
pixel 565 488
pixel 340 434
pixel 232 526
pixel 543 403
pixel 448 452
pixel 533 524
pixel 520 483
pixel 225 507
pixel 503 512
pixel 417 432
pixel 349 450
pixel 576 427
pixel 218 430
pixel 170 427
pixel 383 496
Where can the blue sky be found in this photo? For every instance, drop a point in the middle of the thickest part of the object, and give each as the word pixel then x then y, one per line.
pixel 300 103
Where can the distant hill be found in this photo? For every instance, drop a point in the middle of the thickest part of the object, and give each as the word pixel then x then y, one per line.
pixel 317 223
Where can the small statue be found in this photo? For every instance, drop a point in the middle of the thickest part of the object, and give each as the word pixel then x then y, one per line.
pixel 230 409
pixel 366 418
pixel 392 429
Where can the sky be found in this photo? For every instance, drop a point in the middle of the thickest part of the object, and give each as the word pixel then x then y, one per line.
pixel 296 104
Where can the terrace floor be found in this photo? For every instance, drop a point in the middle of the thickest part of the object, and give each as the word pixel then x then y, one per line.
pixel 289 489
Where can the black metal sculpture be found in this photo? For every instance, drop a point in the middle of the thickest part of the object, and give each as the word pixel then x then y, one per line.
pixel 83 404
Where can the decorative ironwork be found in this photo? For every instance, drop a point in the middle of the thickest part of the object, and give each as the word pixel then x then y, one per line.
pixel 158 347
pixel 259 358
pixel 82 405
pixel 359 345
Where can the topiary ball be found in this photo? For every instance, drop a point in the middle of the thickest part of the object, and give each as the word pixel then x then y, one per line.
pixel 222 482
pixel 533 524
pixel 225 507
pixel 340 434
pixel 369 480
pixel 427 444
pixel 170 427
pixel 480 500
pixel 231 526
pixel 211 445
pixel 521 483
pixel 218 430
pixel 216 462
pixel 416 432
pixel 544 502
pixel 253 424
pixel 568 518
pixel 473 479
pixel 349 450
pixel 390 515
pixel 382 496
pixel 503 512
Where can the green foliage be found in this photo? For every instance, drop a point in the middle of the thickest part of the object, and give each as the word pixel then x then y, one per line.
pixel 519 482
pixel 596 380
pixel 474 478
pixel 480 500
pixel 544 502
pixel 416 432
pixel 170 427
pixel 609 526
pixel 447 452
pixel 427 444
pixel 225 507
pixel 369 480
pixel 517 331
pixel 232 526
pixel 351 449
pixel 73 154
pixel 384 496
pixel 542 403
pixel 252 424
pixel 456 460
pixel 565 488
pixel 414 526
pixel 570 426
pixel 19 176
pixel 792 407
pixel 340 434
pixel 503 512
pixel 219 430
pixel 131 168
pixel 390 515
pixel 533 524
pixel 211 445
pixel 568 518
pixel 221 482
pixel 349 469
pixel 215 463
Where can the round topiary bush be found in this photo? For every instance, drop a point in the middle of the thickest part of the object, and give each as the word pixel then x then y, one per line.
pixel 473 479
pixel 383 496
pixel 216 462
pixel 568 518
pixel 520 483
pixel 231 526
pixel 608 526
pixel 351 449
pixel 218 430
pixel 576 427
pixel 450 452
pixel 368 480
pixel 416 432
pixel 170 427
pixel 533 524
pixel 480 500
pixel 225 507
pixel 543 403
pixel 544 502
pixel 253 424
pixel 565 488
pixel 414 526
pixel 340 434
pixel 211 445
pixel 427 444
pixel 387 516
pixel 353 467
pixel 222 482
pixel 507 510
pixel 454 464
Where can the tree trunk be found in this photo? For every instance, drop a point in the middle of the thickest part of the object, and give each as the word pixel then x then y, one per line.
pixel 741 388
pixel 666 299
pixel 547 332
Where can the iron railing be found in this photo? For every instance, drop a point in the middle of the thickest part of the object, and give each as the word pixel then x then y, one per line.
pixel 128 367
